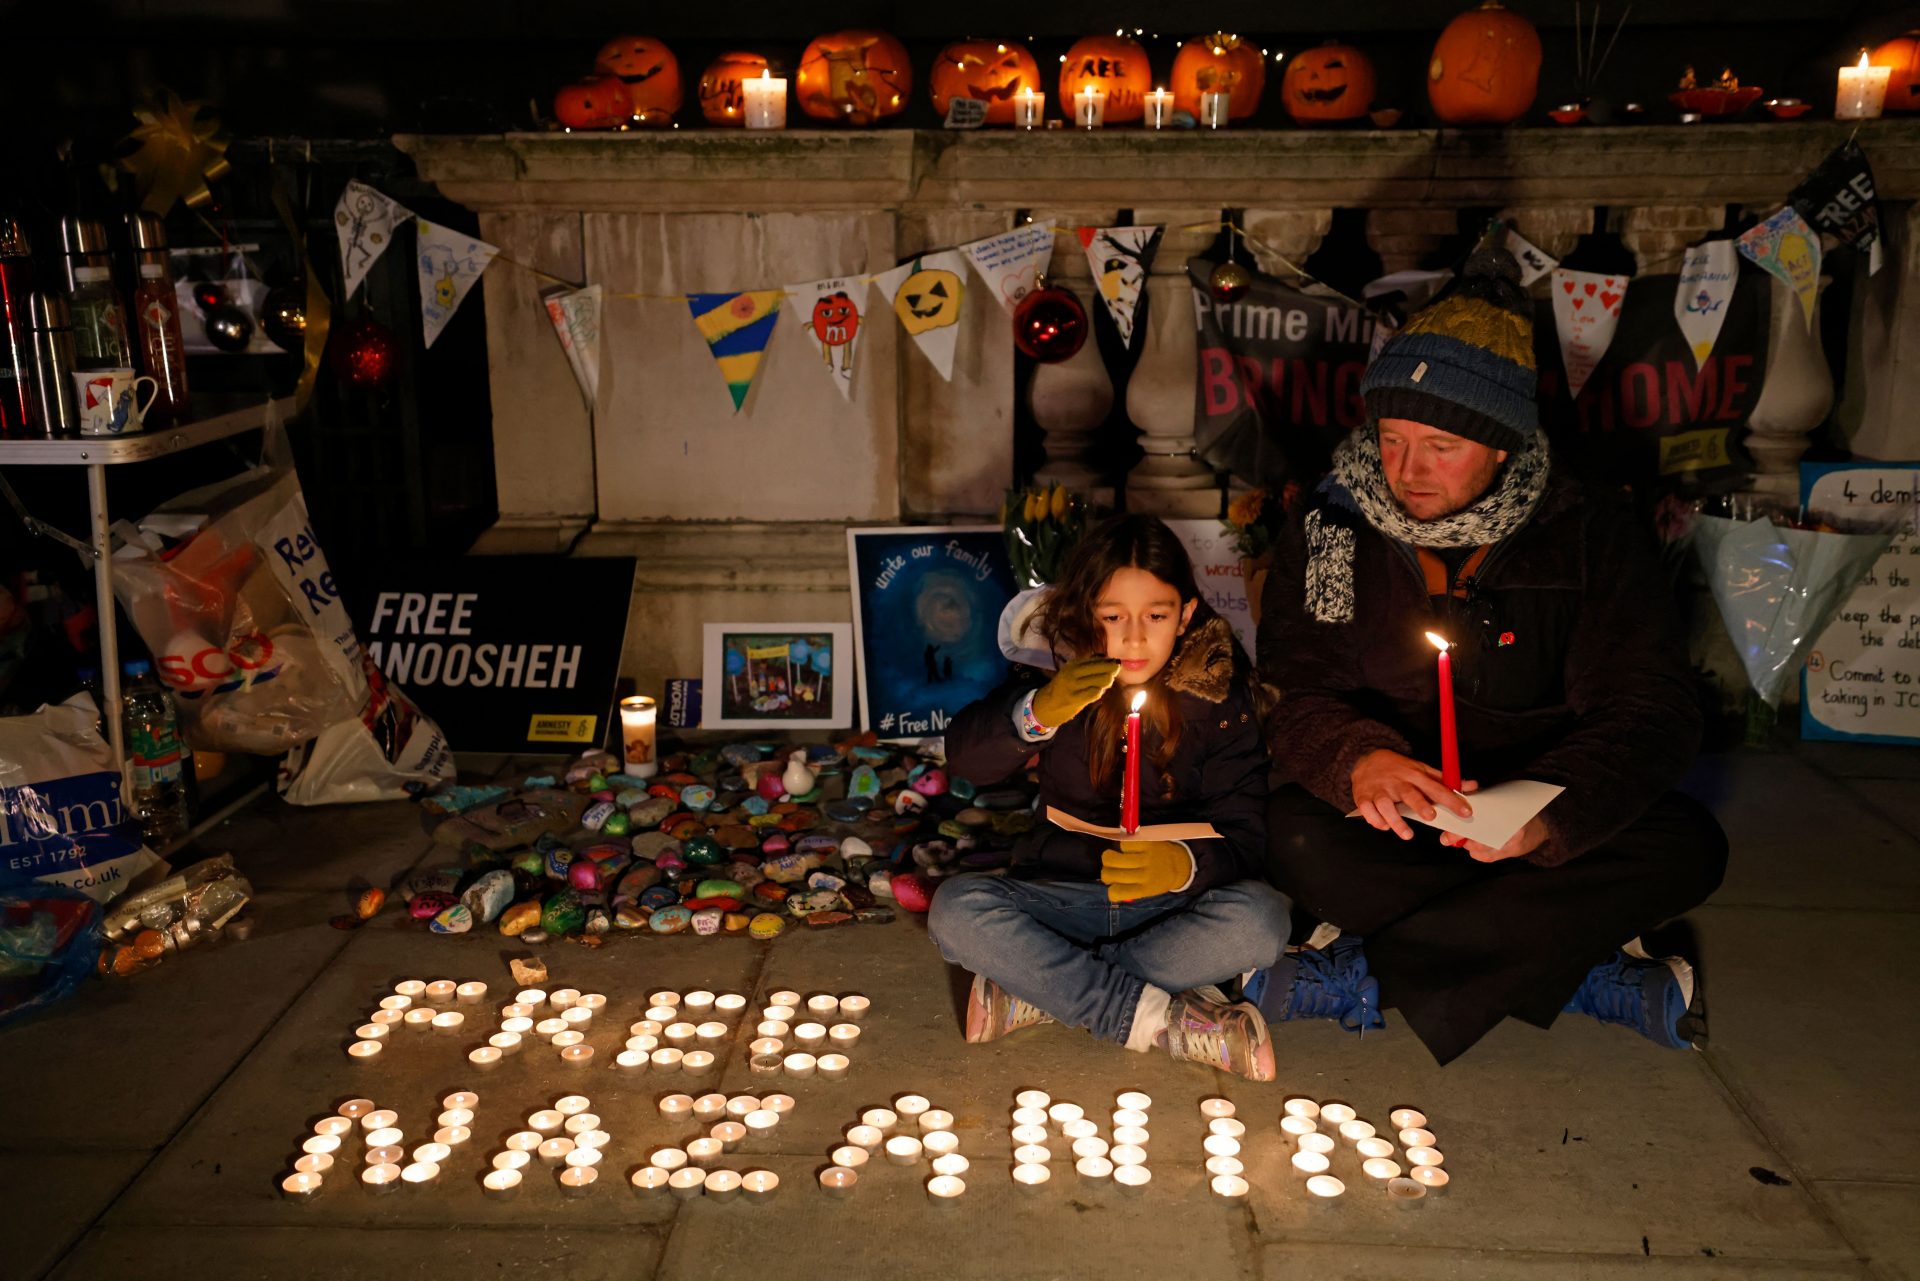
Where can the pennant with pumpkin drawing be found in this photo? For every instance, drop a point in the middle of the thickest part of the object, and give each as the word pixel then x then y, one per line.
pixel 926 295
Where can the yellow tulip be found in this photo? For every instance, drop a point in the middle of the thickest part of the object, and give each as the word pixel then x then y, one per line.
pixel 1059 503
pixel 1029 512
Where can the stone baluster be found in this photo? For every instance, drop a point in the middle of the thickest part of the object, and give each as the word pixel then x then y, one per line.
pixel 1070 399
pixel 1659 235
pixel 1170 481
pixel 1795 398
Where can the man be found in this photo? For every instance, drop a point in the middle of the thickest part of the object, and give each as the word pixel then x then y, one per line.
pixel 1442 514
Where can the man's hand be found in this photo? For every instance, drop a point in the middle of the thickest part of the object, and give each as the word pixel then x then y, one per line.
pixel 1142 869
pixel 1074 688
pixel 1383 781
pixel 1519 845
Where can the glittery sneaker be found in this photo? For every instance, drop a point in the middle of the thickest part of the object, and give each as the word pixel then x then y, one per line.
pixel 992 1011
pixel 1203 1028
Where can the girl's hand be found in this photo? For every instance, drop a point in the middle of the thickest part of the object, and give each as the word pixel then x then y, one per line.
pixel 1143 869
pixel 1074 688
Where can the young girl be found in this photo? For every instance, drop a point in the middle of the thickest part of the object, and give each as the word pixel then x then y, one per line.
pixel 1124 938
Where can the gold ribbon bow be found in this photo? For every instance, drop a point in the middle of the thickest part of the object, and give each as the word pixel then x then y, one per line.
pixel 181 150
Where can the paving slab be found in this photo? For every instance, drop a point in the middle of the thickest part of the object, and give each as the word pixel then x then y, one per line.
pixel 67 1192
pixel 1879 1218
pixel 1859 760
pixel 1812 1021
pixel 1328 1261
pixel 1897 799
pixel 322 847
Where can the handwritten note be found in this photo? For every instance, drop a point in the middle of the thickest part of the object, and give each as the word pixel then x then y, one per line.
pixel 1862 680
pixel 1216 570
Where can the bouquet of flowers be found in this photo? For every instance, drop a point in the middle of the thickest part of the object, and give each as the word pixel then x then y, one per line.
pixel 1042 525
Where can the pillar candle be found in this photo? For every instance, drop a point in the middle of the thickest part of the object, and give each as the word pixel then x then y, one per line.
pixel 638 717
pixel 1130 778
pixel 1862 91
pixel 1449 734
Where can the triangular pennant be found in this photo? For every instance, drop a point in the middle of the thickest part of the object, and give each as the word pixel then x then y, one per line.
pixel 364 219
pixel 1708 274
pixel 1011 264
pixel 1839 199
pixel 450 261
pixel 1120 257
pixel 1586 311
pixel 926 295
pixel 1534 261
pixel 829 312
pixel 576 319
pixel 1786 246
pixel 736 328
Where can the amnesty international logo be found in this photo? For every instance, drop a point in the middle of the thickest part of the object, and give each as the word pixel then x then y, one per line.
pixel 562 729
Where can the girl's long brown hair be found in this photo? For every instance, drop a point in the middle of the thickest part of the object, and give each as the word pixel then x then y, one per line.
pixel 1068 621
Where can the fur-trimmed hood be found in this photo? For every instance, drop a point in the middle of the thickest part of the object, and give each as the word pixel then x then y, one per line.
pixel 1203 664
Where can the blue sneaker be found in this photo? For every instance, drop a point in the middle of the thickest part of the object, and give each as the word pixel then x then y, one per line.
pixel 1326 983
pixel 1658 997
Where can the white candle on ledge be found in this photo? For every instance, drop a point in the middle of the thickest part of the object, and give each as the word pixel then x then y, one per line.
pixel 764 104
pixel 639 716
pixel 1090 108
pixel 1215 109
pixel 1862 90
pixel 1160 109
pixel 1029 109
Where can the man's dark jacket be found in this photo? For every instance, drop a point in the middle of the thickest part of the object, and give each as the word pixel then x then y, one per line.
pixel 1568 667
pixel 1218 772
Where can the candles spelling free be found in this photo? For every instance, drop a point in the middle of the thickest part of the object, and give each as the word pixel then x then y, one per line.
pixel 1449 733
pixel 1130 778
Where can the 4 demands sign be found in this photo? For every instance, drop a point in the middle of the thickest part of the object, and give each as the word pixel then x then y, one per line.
pixel 507 653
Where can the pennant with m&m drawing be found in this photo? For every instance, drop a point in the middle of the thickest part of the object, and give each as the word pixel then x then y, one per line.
pixel 737 327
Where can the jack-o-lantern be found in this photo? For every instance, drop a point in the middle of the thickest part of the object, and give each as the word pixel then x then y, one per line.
pixel 1485 68
pixel 988 71
pixel 719 92
pixel 1333 82
pixel 1216 61
pixel 857 77
pixel 1115 64
pixel 1902 53
pixel 598 102
pixel 650 72
pixel 928 299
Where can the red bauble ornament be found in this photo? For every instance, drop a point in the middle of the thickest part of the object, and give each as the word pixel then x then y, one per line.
pixel 207 295
pixel 364 354
pixel 1229 282
pixel 1049 324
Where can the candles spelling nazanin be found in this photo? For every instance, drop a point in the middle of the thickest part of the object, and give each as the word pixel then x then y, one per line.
pixel 1449 734
pixel 1130 777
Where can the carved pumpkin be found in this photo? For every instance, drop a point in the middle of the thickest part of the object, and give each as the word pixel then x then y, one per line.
pixel 650 72
pixel 1115 64
pixel 989 71
pixel 859 77
pixel 1485 67
pixel 598 102
pixel 1210 63
pixel 1333 82
pixel 1902 53
pixel 719 90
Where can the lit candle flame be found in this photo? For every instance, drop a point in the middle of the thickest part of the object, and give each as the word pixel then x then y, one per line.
pixel 1439 642
pixel 1863 64
pixel 1139 700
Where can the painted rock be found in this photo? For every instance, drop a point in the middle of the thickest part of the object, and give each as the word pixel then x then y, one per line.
pixel 932 854
pixel 683 827
pixel 559 858
pixel 520 918
pixel 961 787
pixel 911 891
pixel 663 791
pixel 368 904
pixel 670 920
pixel 775 845
pixel 680 777
pixel 760 822
pixel 701 851
pixel 874 916
pixel 735 836
pixel 617 824
pixel 880 884
pixel 672 863
pixel 578 774
pixel 652 812
pixel 539 780
pixel 798 821
pixel 696 797
pixel 813 901
pixel 854 848
pixel 789 869
pixel 584 875
pixel 707 921
pixel 931 783
pixel 872 754
pixel 748 874
pixel 650 845
pixel 599 921
pixel 487 897
pixel 597 815
pixel 770 787
pixel 909 801
pixel 817 845
pixel 731 798
pixel 857 896
pixel 596 782
pixel 534 935
pixel 850 810
pixel 637 880
pixel 655 897
pixel 562 913
pixel 628 916
pixel 864 783
pixel 974 816
pixel 735 922
pixel 436 881
pixel 626 780
pixel 739 755
pixel 454 920
pixel 718 903
pixel 705 763
pixel 826 881
pixel 827 920
pixel 766 926
pixel 755 804
pixel 770 891
pixel 718 888
pixel 952 830
pixel 604 794
pixel 425 906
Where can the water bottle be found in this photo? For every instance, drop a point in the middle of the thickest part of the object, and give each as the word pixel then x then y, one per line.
pixel 155 754
pixel 99 321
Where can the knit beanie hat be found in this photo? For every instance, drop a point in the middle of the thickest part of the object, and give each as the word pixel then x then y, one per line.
pixel 1464 362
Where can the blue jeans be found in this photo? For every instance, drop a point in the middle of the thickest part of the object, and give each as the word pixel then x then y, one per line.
pixel 1061 946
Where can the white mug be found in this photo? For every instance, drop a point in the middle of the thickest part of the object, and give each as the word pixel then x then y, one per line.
pixel 109 401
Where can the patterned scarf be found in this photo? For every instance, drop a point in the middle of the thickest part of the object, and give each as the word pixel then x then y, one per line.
pixel 1357 485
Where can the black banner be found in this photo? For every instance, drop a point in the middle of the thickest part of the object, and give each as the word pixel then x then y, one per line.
pixel 1838 198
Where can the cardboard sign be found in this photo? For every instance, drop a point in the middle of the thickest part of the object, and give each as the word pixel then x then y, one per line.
pixel 507 653
pixel 1216 572
pixel 1862 679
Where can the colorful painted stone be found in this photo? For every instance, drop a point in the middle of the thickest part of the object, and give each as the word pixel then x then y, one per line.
pixel 651 845
pixel 584 875
pixel 880 884
pixel 770 891
pixel 604 794
pixel 701 851
pixel 671 863
pixel 629 797
pixel 663 791
pixel 427 905
pixel 776 844
pixel 719 888
pixel 827 920
pixel 684 827
pixel 826 881
pixel 562 913
pixel 706 921
pixel 748 874
pixel 454 920
pixel 755 804
pixel 735 922
pixel 864 782
pixel 769 786
pixel 680 777
pixel 599 921
pixel 760 822
pixel 911 891
pixel 735 836
pixel 637 880
pixel 789 869
pixel 767 925
pixel 739 755
pixel 578 774
pixel 651 812
pixel 849 810
pixel 798 821
pixel 670 920
pixel 519 918
pixel 854 848
pixel 597 815
pixel 617 824
pixel 961 788
pixel 696 797
pixel 813 901
pixel 873 755
pixel 435 881
pixel 534 935
pixel 488 896
pixel 626 780
pixel 951 830
pixel 817 845
pixel 371 900
pixel 874 916
pixel 628 916
pixel 559 858
pixel 655 897
pixel 909 801
pixel 538 780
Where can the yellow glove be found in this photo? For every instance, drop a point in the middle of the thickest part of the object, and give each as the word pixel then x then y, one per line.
pixel 1142 869
pixel 1074 688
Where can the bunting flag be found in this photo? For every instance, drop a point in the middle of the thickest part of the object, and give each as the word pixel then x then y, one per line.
pixel 737 327
pixel 1534 261
pixel 1586 311
pixel 1787 247
pixel 1708 274
pixel 926 295
pixel 576 319
pixel 450 261
pixel 364 219
pixel 1011 264
pixel 1838 198
pixel 1120 257
pixel 829 311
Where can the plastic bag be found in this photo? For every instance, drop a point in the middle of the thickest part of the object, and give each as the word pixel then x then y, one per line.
pixel 62 816
pixel 49 939
pixel 180 912
pixel 390 751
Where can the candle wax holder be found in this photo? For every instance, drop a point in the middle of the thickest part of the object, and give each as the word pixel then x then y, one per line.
pixel 759 1186
pixel 687 1183
pixel 649 1178
pixel 501 1185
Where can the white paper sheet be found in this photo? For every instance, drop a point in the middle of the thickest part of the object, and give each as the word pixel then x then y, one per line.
pixel 1498 811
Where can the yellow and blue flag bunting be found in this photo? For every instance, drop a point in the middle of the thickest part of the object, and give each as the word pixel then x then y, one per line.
pixel 737 327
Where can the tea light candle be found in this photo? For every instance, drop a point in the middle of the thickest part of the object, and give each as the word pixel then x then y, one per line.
pixel 1089 108
pixel 1407 1118
pixel 1032 1176
pixel 562 1040
pixel 1032 1099
pixel 313 1163
pixel 761 1124
pixel 578 1018
pixel 1132 1178
pixel 729 1005
pixel 393 1154
pixel 371 1031
pixel 699 1001
pixel 649 1178
pixel 1160 109
pixel 940 1142
pixel 697 1062
pixel 1221 1145
pixel 396 1002
pixel 363 1051
pixel 945 1189
pixel 441 991
pixel 500 1185
pixel 646 1042
pixel 799 1066
pixel 354 1109
pixel 1324 1187
pixel 810 1035
pixel 950 1163
pixel 676 1107
pixel 419 1173
pixel 386 1018
pixel 850 1155
pixel 409 988
pixel 555 1149
pixel 1092 1145
pixel 853 1007
pixel 1406 1194
pixel 666 1059
pixel 662 1014
pixel 1212 1108
pixel 758 1186
pixel 711 1107
pixel 1127 1154
pixel 868 1137
pixel 1337 1114
pixel 663 997
pixel 592 1139
pixel 1217 1165
pixel 515 1010
pixel 1425 1156
pixel 471 993
pixel 525 1140
pixel 1354 1131
pixel 704 1152
pixel 837 1180
pixel 844 1035
pixel 531 996
pixel 722 1185
pixel 321 1145
pixel 378 1119
pixel 578 1179
pixel 881 1119
pixel 487 1057
pixel 822 1006
pixel 668 1159
pixel 1079 1129
pixel 1030 1116
pixel 1133 1101
pixel 711 1033
pixel 1379 1169
pixel 384 1177
pixel 1375 1147
pixel 1061 1113
pixel 1861 92
pixel 903 1149
pixel 935 1119
pixel 778 1104
pixel 386 1136
pixel 1136 1135
pixel 680 1034
pixel 1297 1125
pixel 729 1133
pixel 333 1125
pixel 631 1060
pixel 433 1153
pixel 1310 1162
pixel 1094 1169
pixel 687 1182
pixel 562 999
pixel 547 1121
pixel 1029 108
pixel 770 1030
pixel 764 1064
pixel 768 1044
pixel 550 1027
pixel 777 1014
pixel 834 1067
pixel 763 100
pixel 581 1122
pixel 1215 108
pixel 786 998
pixel 1431 1177
pixel 1415 1137
pixel 452 1135
pixel 521 1026
pixel 1032 1154
pixel 1232 1127
pixel 511 1159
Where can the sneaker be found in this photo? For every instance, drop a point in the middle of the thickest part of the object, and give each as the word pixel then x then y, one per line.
pixel 1203 1028
pixel 992 1012
pixel 1658 997
pixel 1327 983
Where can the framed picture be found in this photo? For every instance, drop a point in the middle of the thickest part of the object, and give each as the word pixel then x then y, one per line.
pixel 926 604
pixel 777 676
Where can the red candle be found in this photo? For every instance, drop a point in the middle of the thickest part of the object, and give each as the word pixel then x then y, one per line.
pixel 1449 734
pixel 1130 778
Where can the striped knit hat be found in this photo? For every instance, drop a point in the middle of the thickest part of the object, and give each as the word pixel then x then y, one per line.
pixel 1464 363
